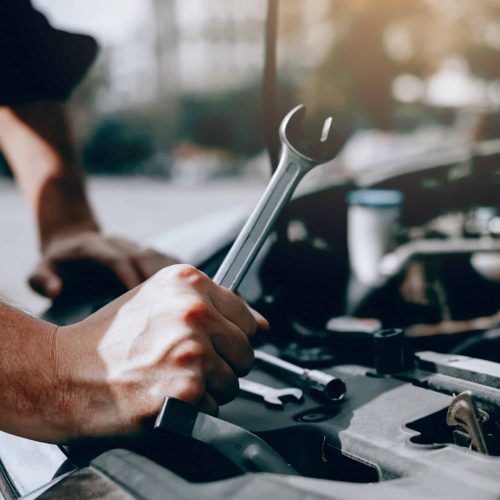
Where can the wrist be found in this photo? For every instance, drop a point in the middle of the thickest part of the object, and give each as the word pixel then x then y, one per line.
pixel 67 229
pixel 66 383
pixel 84 395
pixel 31 395
pixel 61 411
pixel 63 208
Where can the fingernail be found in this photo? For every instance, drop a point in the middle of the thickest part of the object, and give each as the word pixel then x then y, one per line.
pixel 264 322
pixel 53 286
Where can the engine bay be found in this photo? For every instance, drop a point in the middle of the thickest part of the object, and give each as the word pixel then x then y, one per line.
pixel 410 324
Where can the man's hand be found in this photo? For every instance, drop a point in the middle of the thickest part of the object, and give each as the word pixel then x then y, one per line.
pixel 37 141
pixel 177 335
pixel 64 253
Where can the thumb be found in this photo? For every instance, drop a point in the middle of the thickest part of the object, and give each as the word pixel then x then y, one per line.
pixel 45 281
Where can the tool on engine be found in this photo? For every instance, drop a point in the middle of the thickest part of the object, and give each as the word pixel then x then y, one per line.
pixel 297 158
pixel 464 416
pixel 328 386
pixel 273 397
pixel 246 450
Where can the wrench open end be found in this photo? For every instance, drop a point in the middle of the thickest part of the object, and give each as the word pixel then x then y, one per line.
pixel 317 151
pixel 282 396
pixel 291 126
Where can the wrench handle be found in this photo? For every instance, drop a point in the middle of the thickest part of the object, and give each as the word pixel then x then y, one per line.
pixel 255 231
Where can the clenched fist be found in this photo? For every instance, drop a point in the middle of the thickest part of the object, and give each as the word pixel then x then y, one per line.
pixel 177 335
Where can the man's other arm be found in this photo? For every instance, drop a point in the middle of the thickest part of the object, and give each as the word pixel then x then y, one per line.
pixel 37 141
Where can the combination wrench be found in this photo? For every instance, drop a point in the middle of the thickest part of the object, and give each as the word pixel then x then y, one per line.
pixel 297 158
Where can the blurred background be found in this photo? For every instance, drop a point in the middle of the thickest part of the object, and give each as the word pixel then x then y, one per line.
pixel 176 89
pixel 175 96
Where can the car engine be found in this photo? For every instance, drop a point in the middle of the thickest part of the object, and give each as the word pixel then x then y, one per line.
pixel 389 283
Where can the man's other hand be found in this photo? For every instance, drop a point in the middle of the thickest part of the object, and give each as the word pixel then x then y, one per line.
pixel 62 257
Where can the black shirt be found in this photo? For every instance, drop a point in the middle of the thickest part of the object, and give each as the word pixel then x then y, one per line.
pixel 38 62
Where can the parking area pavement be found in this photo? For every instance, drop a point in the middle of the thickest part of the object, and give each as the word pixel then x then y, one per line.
pixel 139 208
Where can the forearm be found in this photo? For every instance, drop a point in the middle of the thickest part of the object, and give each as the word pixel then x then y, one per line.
pixel 32 401
pixel 37 142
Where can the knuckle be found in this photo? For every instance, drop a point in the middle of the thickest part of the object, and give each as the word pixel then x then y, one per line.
pixel 190 389
pixel 185 271
pixel 192 275
pixel 196 313
pixel 189 352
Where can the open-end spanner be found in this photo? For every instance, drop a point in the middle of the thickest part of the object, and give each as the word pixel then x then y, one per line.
pixel 271 396
pixel 297 158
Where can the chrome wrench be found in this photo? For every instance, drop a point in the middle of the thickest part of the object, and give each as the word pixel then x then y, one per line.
pixel 297 158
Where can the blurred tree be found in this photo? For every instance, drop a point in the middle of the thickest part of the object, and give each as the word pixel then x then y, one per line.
pixel 167 72
pixel 119 144
pixel 229 120
pixel 374 42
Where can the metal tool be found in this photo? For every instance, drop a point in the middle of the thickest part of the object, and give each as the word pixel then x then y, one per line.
pixel 273 397
pixel 463 414
pixel 297 158
pixel 244 449
pixel 328 386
